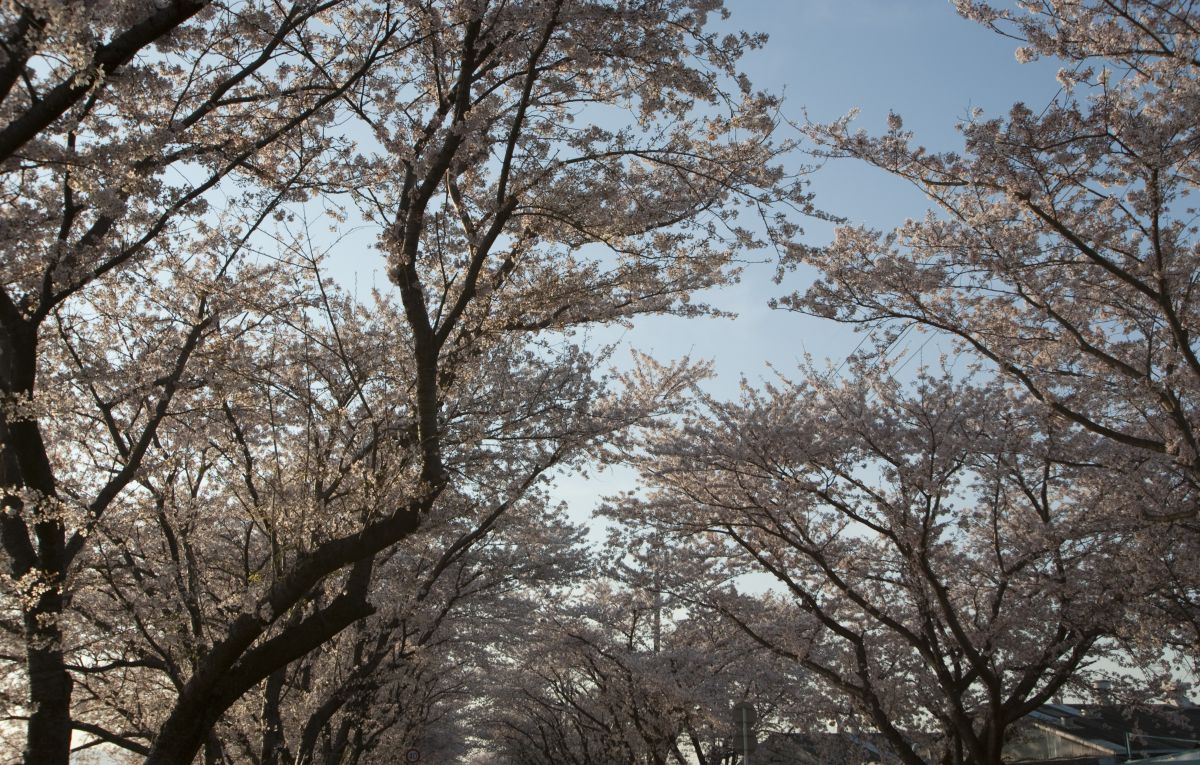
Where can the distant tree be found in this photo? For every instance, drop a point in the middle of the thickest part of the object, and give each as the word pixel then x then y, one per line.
pixel 611 677
pixel 1065 252
pixel 619 669
pixel 531 167
pixel 937 568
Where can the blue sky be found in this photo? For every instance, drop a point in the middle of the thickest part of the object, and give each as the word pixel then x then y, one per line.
pixel 915 57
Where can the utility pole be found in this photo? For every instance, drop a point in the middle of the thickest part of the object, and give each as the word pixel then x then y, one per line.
pixel 744 718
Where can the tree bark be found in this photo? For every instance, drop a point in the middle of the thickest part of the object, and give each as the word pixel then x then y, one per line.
pixel 231 669
pixel 274 750
pixel 38 559
pixel 48 735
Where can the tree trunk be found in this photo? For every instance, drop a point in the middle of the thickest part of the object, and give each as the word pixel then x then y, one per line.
pixel 48 735
pixel 232 668
pixel 274 751
pixel 39 558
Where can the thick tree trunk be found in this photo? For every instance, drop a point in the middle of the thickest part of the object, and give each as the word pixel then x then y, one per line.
pixel 48 734
pixel 232 668
pixel 188 727
pixel 37 554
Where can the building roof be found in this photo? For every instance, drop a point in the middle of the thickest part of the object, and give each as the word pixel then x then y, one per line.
pixel 1146 730
pixel 1101 734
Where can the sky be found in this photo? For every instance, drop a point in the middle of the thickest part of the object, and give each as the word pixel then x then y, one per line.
pixel 917 58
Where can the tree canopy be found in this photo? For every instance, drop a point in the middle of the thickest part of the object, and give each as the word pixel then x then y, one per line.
pixel 252 515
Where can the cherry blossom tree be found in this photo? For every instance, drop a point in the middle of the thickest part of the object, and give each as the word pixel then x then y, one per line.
pixel 938 564
pixel 605 681
pixel 530 168
pixel 619 669
pixel 298 436
pixel 121 123
pixel 409 676
pixel 1063 249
